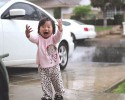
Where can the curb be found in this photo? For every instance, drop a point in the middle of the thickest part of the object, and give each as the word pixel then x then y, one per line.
pixel 115 85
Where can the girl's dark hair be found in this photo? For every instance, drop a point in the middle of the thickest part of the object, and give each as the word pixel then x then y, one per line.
pixel 42 22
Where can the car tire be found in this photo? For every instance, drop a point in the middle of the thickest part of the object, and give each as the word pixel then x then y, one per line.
pixel 4 88
pixel 73 37
pixel 63 54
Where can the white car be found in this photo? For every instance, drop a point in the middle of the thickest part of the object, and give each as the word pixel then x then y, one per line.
pixel 79 30
pixel 14 15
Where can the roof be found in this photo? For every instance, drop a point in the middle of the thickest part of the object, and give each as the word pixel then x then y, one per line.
pixel 56 3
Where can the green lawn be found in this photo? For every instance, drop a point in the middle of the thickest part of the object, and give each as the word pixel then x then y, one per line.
pixel 101 28
pixel 120 88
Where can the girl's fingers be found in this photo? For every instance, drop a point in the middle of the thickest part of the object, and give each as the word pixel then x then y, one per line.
pixel 60 25
pixel 60 21
pixel 28 29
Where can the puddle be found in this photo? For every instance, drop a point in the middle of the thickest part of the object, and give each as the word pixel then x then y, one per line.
pixel 98 54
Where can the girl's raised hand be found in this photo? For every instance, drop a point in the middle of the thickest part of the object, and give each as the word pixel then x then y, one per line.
pixel 28 30
pixel 60 25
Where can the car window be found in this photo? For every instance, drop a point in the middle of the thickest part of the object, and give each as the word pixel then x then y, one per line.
pixel 41 13
pixel 78 22
pixel 66 23
pixel 31 13
pixel 3 2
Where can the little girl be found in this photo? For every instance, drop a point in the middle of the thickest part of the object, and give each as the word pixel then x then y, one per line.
pixel 47 57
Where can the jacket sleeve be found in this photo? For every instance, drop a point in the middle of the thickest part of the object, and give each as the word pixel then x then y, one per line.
pixel 34 39
pixel 57 37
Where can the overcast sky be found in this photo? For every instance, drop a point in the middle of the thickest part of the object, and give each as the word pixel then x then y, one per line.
pixel 85 2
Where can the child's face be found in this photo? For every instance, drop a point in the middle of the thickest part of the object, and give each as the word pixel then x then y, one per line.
pixel 46 29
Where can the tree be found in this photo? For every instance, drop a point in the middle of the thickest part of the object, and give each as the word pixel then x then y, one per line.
pixel 104 4
pixel 57 12
pixel 81 11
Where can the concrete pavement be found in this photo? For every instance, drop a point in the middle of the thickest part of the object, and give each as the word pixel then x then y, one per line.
pixel 82 81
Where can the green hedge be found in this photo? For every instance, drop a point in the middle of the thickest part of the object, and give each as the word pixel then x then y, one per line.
pixel 118 19
pixel 99 22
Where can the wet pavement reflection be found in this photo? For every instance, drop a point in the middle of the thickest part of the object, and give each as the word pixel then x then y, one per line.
pixel 99 54
pixel 107 53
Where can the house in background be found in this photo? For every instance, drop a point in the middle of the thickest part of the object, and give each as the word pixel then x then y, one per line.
pixel 58 8
pixel 64 8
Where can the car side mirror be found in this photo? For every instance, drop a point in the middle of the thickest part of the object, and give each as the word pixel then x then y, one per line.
pixel 16 13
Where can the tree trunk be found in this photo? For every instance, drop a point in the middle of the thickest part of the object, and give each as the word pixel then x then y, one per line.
pixel 104 19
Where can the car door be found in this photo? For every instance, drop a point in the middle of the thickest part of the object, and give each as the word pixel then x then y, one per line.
pixel 20 49
pixel 1 39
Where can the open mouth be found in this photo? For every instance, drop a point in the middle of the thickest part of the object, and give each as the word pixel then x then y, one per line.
pixel 45 32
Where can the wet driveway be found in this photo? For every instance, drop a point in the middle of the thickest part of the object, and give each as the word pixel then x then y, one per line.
pixel 96 66
pixel 99 54
pixel 107 50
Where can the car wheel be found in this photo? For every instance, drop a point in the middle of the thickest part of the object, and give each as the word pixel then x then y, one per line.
pixel 4 89
pixel 63 54
pixel 73 37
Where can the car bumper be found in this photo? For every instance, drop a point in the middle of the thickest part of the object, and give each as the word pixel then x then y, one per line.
pixel 86 35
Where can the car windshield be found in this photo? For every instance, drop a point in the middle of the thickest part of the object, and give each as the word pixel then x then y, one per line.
pixel 78 22
pixel 3 2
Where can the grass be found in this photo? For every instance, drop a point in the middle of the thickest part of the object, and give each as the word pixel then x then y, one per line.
pixel 120 88
pixel 101 28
